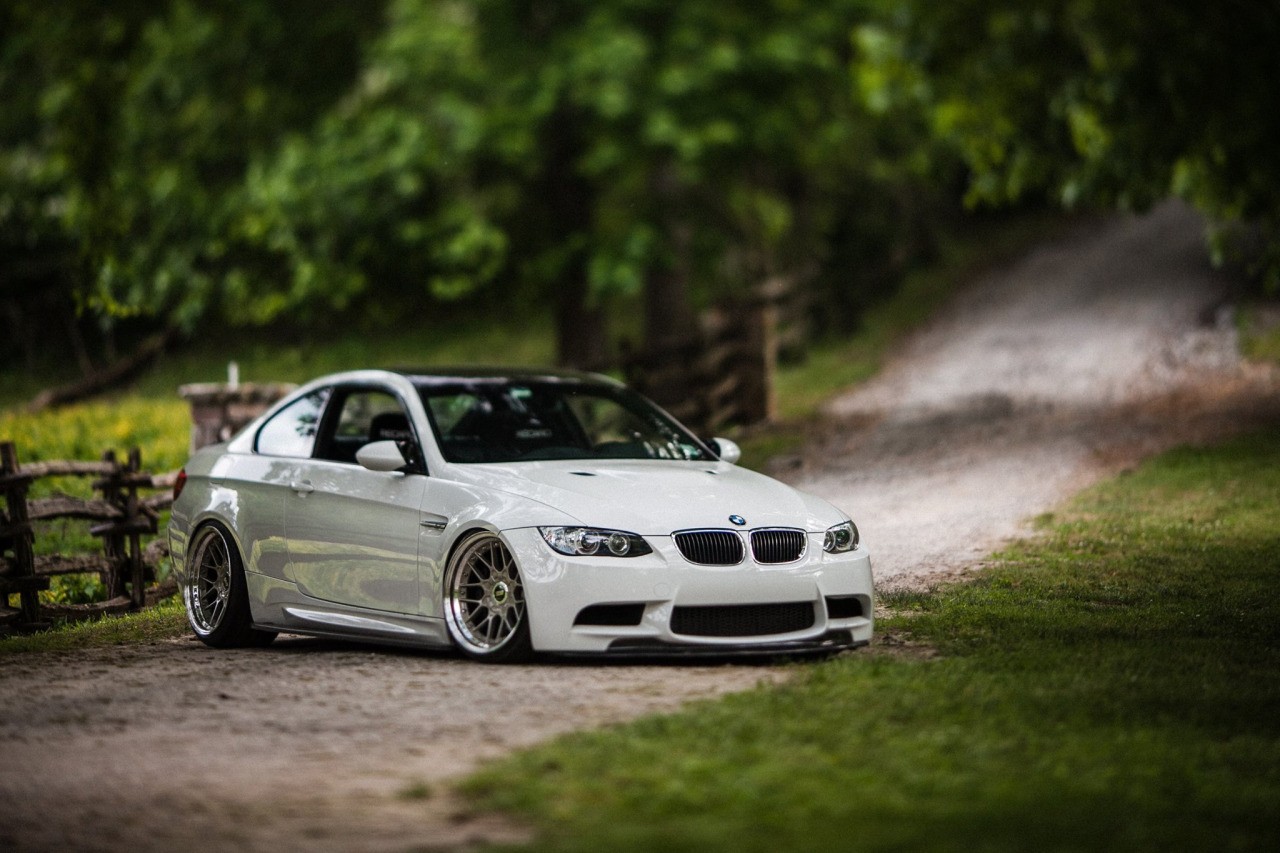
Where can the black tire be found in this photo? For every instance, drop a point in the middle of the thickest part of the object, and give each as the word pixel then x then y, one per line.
pixel 484 606
pixel 215 593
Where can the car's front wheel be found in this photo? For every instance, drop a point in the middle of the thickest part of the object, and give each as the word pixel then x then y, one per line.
pixel 484 604
pixel 216 596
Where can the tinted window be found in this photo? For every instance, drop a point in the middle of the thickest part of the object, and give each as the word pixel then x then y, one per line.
pixel 363 415
pixel 292 430
pixel 504 421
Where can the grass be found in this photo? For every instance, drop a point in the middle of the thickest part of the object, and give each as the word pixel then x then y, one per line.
pixel 402 342
pixel 164 621
pixel 84 431
pixel 1113 684
pixel 1259 326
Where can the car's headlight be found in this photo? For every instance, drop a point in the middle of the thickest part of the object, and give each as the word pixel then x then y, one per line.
pixel 841 538
pixel 590 541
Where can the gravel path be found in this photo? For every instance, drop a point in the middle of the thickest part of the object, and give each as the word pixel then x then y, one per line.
pixel 1087 355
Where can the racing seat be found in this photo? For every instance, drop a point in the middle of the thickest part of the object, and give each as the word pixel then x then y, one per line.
pixel 390 426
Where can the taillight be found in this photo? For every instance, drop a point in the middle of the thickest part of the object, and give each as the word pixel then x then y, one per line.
pixel 179 482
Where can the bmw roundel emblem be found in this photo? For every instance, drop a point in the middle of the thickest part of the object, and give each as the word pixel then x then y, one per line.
pixel 738 520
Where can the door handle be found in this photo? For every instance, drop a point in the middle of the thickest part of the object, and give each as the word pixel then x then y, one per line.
pixel 302 487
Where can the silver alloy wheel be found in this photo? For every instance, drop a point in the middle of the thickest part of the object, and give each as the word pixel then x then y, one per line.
pixel 485 599
pixel 209 589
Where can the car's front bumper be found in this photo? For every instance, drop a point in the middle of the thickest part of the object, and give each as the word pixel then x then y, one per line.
pixel 837 587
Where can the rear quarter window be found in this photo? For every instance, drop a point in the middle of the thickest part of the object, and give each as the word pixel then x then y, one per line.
pixel 292 430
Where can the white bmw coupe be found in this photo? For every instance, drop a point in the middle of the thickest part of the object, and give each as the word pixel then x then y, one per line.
pixel 506 513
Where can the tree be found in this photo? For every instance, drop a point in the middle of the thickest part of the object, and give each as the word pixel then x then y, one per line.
pixel 576 151
pixel 1088 101
pixel 126 133
pixel 256 162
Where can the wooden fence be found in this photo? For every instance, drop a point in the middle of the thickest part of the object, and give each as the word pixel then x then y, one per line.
pixel 723 376
pixel 120 517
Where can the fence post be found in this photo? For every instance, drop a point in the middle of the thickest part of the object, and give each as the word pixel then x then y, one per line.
pixel 19 530
pixel 113 543
pixel 757 394
pixel 139 591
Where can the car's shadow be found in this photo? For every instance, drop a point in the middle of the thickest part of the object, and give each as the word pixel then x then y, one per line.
pixel 297 644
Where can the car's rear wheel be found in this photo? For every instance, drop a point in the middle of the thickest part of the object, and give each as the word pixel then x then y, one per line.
pixel 216 596
pixel 484 605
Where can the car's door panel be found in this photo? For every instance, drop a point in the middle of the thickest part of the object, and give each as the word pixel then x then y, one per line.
pixel 259 482
pixel 254 488
pixel 353 535
pixel 352 532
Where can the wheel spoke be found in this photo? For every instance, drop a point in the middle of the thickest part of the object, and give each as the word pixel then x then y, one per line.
pixel 484 604
pixel 210 589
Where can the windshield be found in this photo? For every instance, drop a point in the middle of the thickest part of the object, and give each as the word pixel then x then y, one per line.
pixel 500 420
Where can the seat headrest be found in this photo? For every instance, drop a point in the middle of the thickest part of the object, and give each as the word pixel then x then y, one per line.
pixel 390 426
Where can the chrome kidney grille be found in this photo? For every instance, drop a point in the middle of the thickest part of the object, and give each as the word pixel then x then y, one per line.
pixel 769 546
pixel 778 545
pixel 710 547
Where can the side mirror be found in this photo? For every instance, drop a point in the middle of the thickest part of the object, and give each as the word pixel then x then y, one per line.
pixel 381 456
pixel 727 450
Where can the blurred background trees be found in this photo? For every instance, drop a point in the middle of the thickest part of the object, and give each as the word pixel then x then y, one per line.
pixel 125 137
pixel 306 165
pixel 1097 102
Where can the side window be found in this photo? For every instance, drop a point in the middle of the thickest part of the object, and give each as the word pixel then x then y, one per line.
pixel 362 416
pixel 292 430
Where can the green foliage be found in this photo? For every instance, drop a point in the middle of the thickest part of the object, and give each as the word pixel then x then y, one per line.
pixel 1113 685
pixel 256 162
pixel 319 163
pixel 74 589
pixel 126 134
pixel 588 145
pixel 1088 101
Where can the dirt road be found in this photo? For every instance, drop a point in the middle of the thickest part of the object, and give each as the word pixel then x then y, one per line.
pixel 1087 355
pixel 1081 358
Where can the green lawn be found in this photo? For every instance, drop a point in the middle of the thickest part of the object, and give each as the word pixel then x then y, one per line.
pixel 161 622
pixel 1114 684
pixel 401 342
pixel 1259 326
